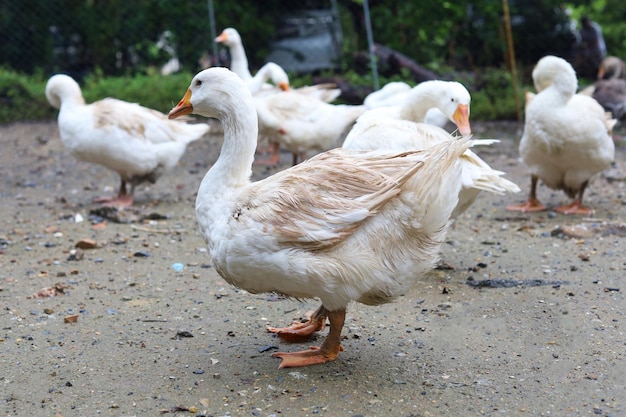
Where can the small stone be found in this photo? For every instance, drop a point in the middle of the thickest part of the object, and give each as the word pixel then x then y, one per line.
pixel 70 319
pixel 178 266
pixel 86 244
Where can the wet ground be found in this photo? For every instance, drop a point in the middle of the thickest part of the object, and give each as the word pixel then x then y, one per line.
pixel 530 322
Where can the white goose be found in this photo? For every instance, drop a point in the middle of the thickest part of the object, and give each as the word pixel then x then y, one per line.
pixel 302 123
pixel 397 128
pixel 394 94
pixel 138 143
pixel 327 92
pixel 258 85
pixel 343 226
pixel 238 59
pixel 566 139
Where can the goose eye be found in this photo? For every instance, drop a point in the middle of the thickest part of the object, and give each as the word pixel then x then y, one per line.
pixel 198 83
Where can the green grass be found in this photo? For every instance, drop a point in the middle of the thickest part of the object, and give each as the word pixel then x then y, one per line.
pixel 22 97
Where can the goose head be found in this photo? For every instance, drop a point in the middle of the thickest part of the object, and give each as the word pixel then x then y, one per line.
pixel 229 37
pixel 554 70
pixel 215 92
pixel 450 97
pixel 611 68
pixel 62 88
pixel 274 73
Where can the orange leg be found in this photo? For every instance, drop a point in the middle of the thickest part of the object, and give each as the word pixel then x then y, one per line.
pixel 576 206
pixel 123 199
pixel 298 332
pixel 327 352
pixel 274 157
pixel 532 204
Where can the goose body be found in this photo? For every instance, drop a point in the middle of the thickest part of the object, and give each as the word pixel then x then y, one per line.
pixel 342 226
pixel 302 123
pixel 566 139
pixel 138 143
pixel 396 128
pixel 610 88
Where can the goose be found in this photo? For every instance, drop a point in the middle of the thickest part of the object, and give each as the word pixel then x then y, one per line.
pixel 398 128
pixel 302 123
pixel 566 139
pixel 396 92
pixel 238 59
pixel 230 37
pixel 342 226
pixel 138 143
pixel 610 88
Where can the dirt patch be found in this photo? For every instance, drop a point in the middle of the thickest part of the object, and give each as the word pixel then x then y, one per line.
pixel 143 325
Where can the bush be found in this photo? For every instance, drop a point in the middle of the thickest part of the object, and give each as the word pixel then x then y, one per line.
pixel 23 97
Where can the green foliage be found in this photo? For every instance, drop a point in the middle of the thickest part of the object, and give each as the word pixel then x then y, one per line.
pixel 493 94
pixel 115 53
pixel 154 91
pixel 22 97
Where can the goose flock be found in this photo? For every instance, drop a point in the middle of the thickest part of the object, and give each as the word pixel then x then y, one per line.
pixel 363 218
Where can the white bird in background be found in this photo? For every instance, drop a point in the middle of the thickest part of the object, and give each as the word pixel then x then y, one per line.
pixel 394 94
pixel 238 59
pixel 138 143
pixel 327 92
pixel 566 138
pixel 275 112
pixel 398 128
pixel 302 123
pixel 343 226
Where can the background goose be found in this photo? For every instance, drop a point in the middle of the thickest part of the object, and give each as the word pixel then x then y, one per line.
pixel 394 94
pixel 327 92
pixel 396 128
pixel 343 226
pixel 302 123
pixel 610 89
pixel 238 59
pixel 565 140
pixel 138 143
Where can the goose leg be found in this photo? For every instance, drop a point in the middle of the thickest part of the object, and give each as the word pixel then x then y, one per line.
pixel 123 199
pixel 327 352
pixel 532 204
pixel 302 331
pixel 576 206
pixel 274 157
pixel 299 156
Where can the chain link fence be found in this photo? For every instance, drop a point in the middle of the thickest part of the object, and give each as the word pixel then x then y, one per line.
pixel 124 37
pixel 118 37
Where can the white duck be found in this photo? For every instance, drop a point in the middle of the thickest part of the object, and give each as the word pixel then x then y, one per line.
pixel 343 226
pixel 395 128
pixel 258 85
pixel 302 123
pixel 395 93
pixel 566 140
pixel 136 142
pixel 238 59
pixel 327 92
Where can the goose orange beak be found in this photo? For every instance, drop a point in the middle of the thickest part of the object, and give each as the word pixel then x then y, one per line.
pixel 283 86
pixel 222 38
pixel 461 118
pixel 183 107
